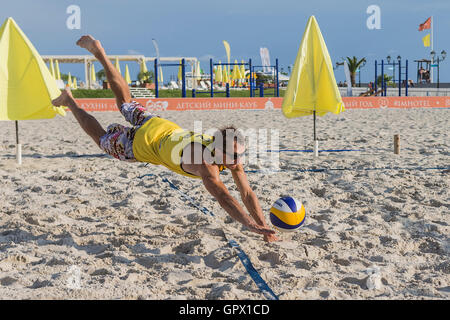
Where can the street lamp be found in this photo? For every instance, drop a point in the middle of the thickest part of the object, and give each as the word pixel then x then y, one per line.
pixel 438 59
pixel 359 71
pixel 388 58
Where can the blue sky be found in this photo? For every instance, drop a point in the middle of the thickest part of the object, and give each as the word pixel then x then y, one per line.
pixel 197 28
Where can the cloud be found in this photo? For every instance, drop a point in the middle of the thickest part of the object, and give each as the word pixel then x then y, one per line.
pixel 133 52
pixel 207 57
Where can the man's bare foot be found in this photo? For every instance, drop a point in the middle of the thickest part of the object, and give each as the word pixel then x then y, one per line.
pixel 90 44
pixel 64 99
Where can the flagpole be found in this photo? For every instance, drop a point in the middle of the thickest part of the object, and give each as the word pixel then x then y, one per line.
pixel 432 49
pixel 18 145
pixel 316 143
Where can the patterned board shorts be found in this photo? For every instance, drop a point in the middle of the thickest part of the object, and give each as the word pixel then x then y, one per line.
pixel 118 140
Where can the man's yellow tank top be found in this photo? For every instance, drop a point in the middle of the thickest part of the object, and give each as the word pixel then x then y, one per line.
pixel 160 141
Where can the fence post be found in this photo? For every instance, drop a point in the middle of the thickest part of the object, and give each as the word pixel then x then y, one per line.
pixel 227 89
pixel 183 79
pixel 250 77
pixel 156 79
pixel 375 83
pixel 407 79
pixel 261 89
pixel 383 83
pixel 211 68
pixel 278 84
pixel 193 93
pixel 399 78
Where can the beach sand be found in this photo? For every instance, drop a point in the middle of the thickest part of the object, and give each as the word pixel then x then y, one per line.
pixel 75 224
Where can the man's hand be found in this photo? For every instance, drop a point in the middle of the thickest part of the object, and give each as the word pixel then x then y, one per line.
pixel 271 238
pixel 212 183
pixel 262 230
pixel 251 201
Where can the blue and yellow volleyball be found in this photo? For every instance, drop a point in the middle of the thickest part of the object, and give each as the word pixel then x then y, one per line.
pixel 287 214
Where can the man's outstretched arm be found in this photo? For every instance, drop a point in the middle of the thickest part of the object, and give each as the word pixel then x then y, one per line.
pixel 212 182
pixel 250 199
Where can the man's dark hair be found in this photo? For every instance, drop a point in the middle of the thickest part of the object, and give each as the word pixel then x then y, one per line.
pixel 228 133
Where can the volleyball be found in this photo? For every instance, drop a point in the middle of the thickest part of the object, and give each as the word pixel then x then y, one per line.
pixel 287 214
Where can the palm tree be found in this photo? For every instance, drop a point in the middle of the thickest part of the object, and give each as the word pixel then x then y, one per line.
pixel 353 65
pixel 101 75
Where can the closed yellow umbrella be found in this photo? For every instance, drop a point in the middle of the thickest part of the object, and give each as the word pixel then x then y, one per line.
pixel 69 81
pixel 312 88
pixel 219 77
pixel 143 69
pixel 236 72
pixel 160 75
pixel 225 75
pixel 198 73
pixel 117 65
pixel 58 74
pixel 75 84
pixel 127 75
pixel 180 72
pixel 93 75
pixel 52 68
pixel 242 70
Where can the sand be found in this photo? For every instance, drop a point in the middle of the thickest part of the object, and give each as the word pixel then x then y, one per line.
pixel 75 224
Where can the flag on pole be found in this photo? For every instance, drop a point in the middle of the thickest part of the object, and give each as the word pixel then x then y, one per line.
pixel 426 40
pixel 425 25
pixel 227 49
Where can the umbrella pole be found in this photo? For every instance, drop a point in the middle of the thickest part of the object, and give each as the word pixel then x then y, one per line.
pixel 316 142
pixel 18 145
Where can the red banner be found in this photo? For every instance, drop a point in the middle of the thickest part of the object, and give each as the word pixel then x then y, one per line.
pixel 269 103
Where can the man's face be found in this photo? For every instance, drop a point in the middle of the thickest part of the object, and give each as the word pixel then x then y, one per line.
pixel 231 158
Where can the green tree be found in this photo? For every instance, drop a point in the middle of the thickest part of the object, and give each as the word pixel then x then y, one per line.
pixel 146 77
pixel 101 75
pixel 65 77
pixel 387 80
pixel 353 65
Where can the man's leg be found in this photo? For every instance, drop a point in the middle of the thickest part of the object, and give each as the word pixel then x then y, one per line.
pixel 115 80
pixel 89 124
